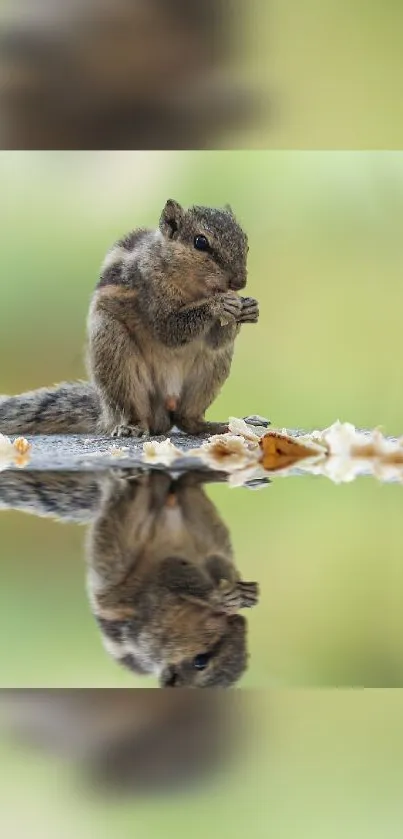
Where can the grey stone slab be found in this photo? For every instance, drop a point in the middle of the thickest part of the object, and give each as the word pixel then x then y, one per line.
pixel 84 453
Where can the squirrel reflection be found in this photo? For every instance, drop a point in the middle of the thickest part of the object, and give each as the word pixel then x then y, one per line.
pixel 163 585
pixel 161 580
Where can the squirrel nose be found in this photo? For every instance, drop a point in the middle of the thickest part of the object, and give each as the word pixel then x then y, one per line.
pixel 238 281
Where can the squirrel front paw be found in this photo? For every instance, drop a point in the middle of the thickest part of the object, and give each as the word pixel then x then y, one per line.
pixel 229 307
pixel 230 598
pixel 249 594
pixel 130 431
pixel 250 310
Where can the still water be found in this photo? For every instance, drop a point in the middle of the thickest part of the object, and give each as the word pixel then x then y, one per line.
pixel 121 579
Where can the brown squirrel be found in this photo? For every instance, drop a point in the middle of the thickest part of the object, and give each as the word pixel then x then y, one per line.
pixel 161 331
pixel 161 580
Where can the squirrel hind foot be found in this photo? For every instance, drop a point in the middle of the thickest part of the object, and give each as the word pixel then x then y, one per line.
pixel 130 431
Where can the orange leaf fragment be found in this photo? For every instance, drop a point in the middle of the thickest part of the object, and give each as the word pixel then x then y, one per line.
pixel 21 445
pixel 281 451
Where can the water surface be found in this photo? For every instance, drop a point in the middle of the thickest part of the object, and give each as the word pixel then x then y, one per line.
pixel 299 583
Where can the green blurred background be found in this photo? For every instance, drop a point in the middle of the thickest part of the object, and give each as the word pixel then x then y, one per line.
pixel 333 72
pixel 325 262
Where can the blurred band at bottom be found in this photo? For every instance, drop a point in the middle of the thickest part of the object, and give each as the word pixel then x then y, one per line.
pixel 128 741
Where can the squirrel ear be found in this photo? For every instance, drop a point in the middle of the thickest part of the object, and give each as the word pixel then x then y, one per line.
pixel 171 218
pixel 229 210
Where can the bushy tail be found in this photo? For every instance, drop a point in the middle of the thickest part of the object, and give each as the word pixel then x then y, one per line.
pixel 68 408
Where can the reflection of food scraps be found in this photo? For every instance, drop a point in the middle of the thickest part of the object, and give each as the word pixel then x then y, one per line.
pixel 21 460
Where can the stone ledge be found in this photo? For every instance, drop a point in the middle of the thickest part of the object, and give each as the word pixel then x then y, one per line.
pixel 84 453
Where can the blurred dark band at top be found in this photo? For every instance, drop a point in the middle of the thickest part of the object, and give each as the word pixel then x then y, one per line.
pixel 124 74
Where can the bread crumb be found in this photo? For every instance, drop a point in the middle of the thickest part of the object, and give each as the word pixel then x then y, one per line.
pixel 14 454
pixel 161 451
pixel 21 445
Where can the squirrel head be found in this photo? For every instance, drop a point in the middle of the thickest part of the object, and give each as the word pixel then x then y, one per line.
pixel 210 240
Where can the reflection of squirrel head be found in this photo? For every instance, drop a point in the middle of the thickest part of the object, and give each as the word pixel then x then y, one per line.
pixel 185 625
pixel 163 585
pixel 207 243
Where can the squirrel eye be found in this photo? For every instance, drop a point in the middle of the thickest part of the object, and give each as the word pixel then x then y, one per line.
pixel 201 661
pixel 201 243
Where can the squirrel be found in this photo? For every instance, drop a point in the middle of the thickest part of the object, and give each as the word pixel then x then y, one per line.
pixel 161 579
pixel 163 585
pixel 161 330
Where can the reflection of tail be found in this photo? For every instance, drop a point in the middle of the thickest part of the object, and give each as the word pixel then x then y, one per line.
pixel 68 408
pixel 65 496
